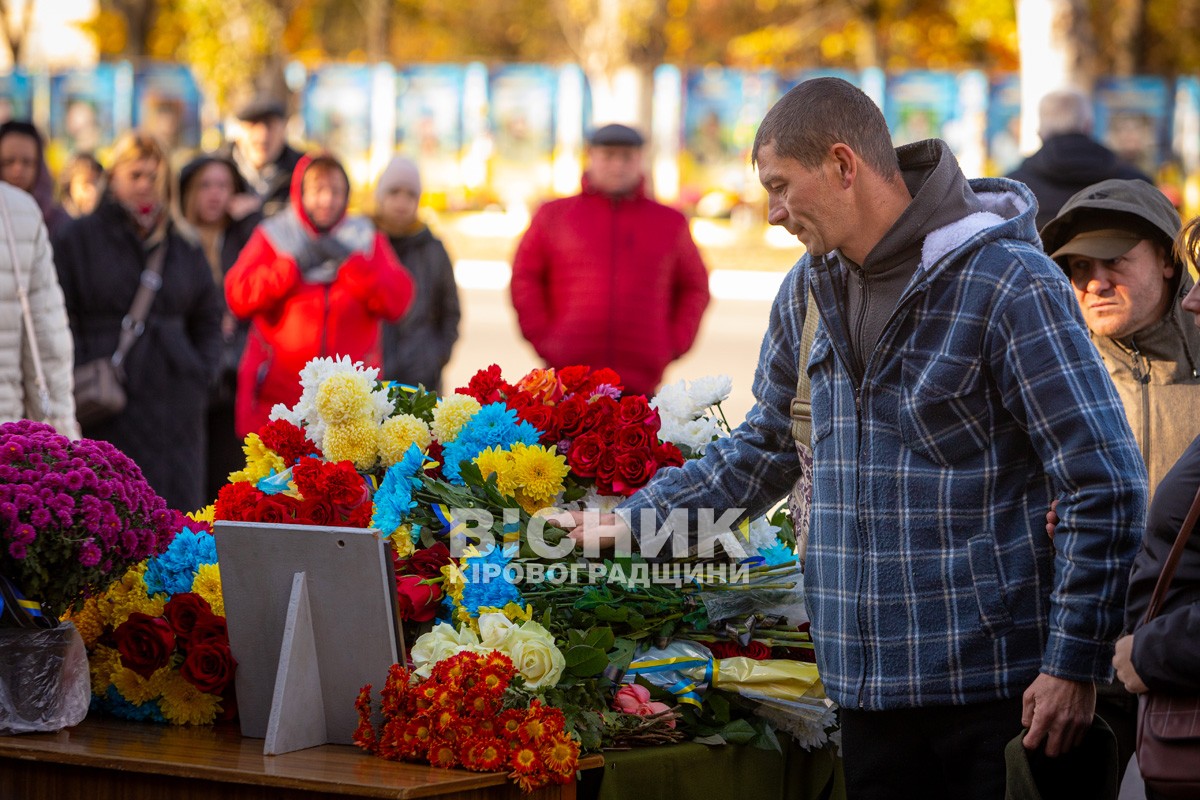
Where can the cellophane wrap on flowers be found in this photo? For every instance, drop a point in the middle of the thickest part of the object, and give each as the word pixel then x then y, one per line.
pixel 73 515
pixel 44 684
pixel 157 643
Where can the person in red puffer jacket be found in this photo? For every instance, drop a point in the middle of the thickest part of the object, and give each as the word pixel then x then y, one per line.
pixel 608 277
pixel 313 282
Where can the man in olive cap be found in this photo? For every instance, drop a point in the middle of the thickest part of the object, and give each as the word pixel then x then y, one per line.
pixel 1115 240
pixel 608 277
pixel 263 157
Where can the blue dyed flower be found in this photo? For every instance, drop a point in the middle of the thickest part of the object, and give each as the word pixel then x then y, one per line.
pixel 495 425
pixel 118 706
pixel 393 499
pixel 173 571
pixel 778 553
pixel 486 583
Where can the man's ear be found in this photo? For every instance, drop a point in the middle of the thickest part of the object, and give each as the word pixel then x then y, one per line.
pixel 845 161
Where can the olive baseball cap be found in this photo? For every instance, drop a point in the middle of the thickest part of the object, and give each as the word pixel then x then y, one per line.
pixel 1133 208
pixel 1104 243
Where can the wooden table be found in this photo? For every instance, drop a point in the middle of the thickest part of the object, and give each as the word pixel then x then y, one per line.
pixel 112 760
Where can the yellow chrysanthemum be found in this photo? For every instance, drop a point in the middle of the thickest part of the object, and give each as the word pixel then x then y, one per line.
pixel 135 688
pixel 88 621
pixel 260 461
pixel 399 433
pixel 343 398
pixel 495 460
pixel 128 595
pixel 514 612
pixel 539 471
pixel 455 581
pixel 451 414
pixel 184 704
pixel 206 514
pixel 355 441
pixel 103 663
pixel 402 541
pixel 207 584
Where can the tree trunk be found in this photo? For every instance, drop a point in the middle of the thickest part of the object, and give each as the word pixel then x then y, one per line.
pixel 1128 35
pixel 1057 44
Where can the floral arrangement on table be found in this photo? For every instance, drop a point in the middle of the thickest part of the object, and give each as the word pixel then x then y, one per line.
pixel 73 514
pixel 457 483
pixel 158 649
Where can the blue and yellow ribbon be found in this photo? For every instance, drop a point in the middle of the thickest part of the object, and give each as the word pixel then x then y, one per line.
pixel 685 690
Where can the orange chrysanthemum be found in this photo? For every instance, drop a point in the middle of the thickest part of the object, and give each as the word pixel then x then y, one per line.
pixel 364 734
pixel 509 722
pixel 561 754
pixel 485 754
pixel 526 760
pixel 442 754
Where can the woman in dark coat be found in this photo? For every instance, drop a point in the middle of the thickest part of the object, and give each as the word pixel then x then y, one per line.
pixel 417 348
pixel 206 186
pixel 100 259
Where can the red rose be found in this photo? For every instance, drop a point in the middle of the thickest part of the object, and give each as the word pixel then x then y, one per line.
pixel 667 455
pixel 636 410
pixel 542 418
pixel 236 502
pixel 182 612
pixel 635 468
pixel 428 563
pixel 573 377
pixel 275 508
pixel 569 416
pixel 606 471
pixel 521 400
pixel 417 601
pixel 145 643
pixel 632 437
pixel 209 667
pixel 584 456
pixel 211 630
pixel 722 649
pixel 316 512
pixel 756 650
pixel 600 413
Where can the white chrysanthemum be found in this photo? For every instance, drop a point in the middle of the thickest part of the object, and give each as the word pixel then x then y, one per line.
pixel 280 411
pixel 451 414
pixel 710 390
pixel 763 535
pixel 606 503
pixel 675 403
pixel 695 434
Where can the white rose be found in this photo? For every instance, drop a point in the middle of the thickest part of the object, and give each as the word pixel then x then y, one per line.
pixel 493 627
pixel 533 653
pixel 439 644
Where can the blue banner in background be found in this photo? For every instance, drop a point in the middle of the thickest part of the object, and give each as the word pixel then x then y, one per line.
pixel 83 107
pixel 429 122
pixel 1004 124
pixel 920 104
pixel 521 117
pixel 16 97
pixel 1133 118
pixel 167 104
pixel 337 110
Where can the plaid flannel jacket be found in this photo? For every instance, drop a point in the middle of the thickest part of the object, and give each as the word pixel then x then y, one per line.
pixel 930 579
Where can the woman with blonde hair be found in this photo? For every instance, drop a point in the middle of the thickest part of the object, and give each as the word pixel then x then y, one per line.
pixel 103 258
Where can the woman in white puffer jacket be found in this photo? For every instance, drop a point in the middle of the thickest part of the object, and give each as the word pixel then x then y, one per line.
pixel 18 378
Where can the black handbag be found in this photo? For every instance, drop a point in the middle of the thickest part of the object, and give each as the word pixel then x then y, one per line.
pixel 100 383
pixel 1168 726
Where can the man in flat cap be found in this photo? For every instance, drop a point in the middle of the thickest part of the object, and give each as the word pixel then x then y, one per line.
pixel 263 157
pixel 609 277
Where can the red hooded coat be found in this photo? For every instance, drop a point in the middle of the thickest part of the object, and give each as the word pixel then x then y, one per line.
pixel 294 320
pixel 610 282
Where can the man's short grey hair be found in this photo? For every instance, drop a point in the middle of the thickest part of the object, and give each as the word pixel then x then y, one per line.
pixel 1064 111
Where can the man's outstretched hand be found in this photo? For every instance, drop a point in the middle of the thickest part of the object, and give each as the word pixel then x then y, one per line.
pixel 596 534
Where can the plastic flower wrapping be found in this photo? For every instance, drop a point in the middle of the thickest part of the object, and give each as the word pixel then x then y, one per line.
pixel 157 645
pixel 506 621
pixel 73 515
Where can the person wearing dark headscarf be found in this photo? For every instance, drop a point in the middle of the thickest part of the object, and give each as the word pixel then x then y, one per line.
pixel 23 164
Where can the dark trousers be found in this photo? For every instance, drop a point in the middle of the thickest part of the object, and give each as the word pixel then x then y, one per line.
pixel 938 753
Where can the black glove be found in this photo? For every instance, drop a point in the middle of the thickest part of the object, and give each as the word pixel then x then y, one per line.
pixel 330 249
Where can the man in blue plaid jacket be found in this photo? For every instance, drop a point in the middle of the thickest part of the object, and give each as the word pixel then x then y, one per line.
pixel 955 395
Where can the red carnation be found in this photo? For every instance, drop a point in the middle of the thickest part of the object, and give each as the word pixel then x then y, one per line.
pixel 236 501
pixel 487 386
pixel 287 441
pixel 145 643
pixel 573 377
